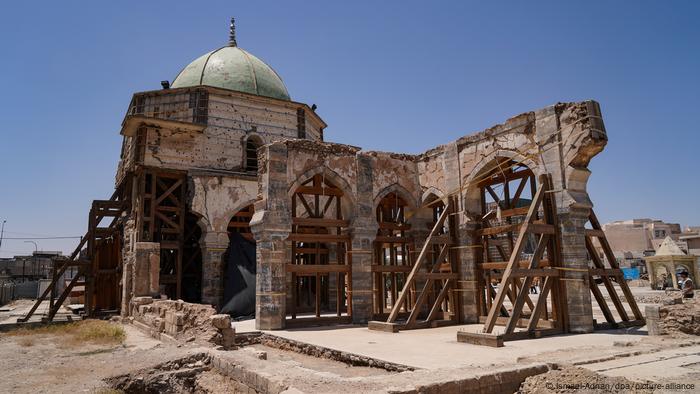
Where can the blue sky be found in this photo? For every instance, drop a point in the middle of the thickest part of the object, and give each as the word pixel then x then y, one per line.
pixel 397 76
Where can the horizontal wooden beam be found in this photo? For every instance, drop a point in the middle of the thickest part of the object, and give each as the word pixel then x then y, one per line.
pixel 498 265
pixel 319 238
pixel 320 222
pixel 437 275
pixel 391 268
pixel 392 240
pixel 616 272
pixel 499 178
pixel 534 272
pixel 321 191
pixel 594 233
pixel 317 268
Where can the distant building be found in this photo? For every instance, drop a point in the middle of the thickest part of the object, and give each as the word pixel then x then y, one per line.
pixel 633 241
pixel 27 268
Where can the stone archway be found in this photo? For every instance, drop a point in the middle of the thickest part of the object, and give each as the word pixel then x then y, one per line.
pixel 239 266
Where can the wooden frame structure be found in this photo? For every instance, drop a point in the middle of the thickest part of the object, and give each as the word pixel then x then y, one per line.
pixel 392 255
pixel 98 267
pixel 607 275
pixel 441 272
pixel 240 223
pixel 319 235
pixel 161 212
pixel 518 271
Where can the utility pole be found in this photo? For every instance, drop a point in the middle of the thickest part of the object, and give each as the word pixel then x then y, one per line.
pixel 2 232
pixel 36 250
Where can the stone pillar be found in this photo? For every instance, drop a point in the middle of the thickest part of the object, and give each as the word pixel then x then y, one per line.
pixel 271 280
pixel 213 245
pixel 577 299
pixel 363 232
pixel 271 226
pixel 362 294
pixel 146 270
pixel 467 286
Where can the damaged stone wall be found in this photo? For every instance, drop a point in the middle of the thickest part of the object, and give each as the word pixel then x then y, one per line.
pixel 559 140
pixel 182 321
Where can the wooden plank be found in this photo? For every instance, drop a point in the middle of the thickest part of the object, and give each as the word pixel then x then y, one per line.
pixel 539 228
pixel 392 239
pixel 506 213
pixel 319 238
pixel 416 266
pixel 541 305
pixel 535 273
pixel 607 282
pixel 499 265
pixel 598 295
pixel 615 272
pixel 437 275
pixel 391 268
pixel 317 268
pixel 319 191
pixel 441 296
pixel 498 229
pixel 320 222
pixel 383 326
pixel 423 294
pixel 515 256
pixel 594 233
pixel 613 263
pixel 521 323
pixel 478 338
pixel 499 178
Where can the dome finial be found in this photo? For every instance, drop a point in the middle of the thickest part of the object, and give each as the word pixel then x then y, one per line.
pixel 232 33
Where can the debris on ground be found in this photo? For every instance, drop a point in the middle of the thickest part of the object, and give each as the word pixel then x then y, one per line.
pixel 580 380
pixel 678 319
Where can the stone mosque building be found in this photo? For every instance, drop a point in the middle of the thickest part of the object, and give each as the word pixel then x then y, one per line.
pixel 229 196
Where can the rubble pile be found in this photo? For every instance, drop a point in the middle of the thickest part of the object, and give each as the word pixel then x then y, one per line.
pixel 183 321
pixel 675 318
pixel 579 380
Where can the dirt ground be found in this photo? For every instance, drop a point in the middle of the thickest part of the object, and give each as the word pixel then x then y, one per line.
pixel 47 363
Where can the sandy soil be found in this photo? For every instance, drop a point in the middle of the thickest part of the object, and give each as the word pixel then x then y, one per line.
pixel 43 364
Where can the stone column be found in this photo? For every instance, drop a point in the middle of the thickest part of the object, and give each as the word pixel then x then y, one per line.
pixel 271 279
pixel 213 245
pixel 362 294
pixel 577 299
pixel 146 270
pixel 363 232
pixel 467 286
pixel 271 226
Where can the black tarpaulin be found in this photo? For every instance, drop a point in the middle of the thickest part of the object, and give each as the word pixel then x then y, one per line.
pixel 239 278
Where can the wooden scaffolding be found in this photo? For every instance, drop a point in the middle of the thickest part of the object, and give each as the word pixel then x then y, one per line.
pixel 98 265
pixel 427 273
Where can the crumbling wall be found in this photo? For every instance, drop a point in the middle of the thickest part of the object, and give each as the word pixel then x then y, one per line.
pixel 678 317
pixel 558 140
pixel 182 321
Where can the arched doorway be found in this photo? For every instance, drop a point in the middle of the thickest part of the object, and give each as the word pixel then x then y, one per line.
pixel 192 260
pixel 240 266
pixel 392 255
pixel 319 275
pixel 505 189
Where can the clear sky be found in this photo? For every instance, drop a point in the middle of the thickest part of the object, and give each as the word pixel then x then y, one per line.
pixel 392 75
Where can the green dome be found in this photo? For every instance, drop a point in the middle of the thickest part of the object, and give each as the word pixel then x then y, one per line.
pixel 233 68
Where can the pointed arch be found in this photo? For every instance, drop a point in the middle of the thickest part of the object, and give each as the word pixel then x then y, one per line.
pixel 400 191
pixel 251 143
pixel 336 179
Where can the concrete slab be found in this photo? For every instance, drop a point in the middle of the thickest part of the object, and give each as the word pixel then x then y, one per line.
pixel 655 366
pixel 438 347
